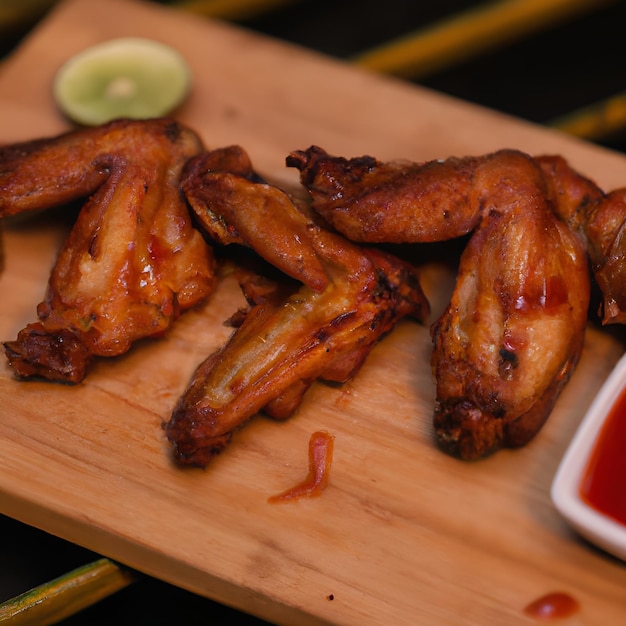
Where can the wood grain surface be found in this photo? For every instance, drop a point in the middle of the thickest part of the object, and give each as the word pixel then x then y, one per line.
pixel 403 534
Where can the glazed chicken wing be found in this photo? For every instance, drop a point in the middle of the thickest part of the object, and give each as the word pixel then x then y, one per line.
pixel 133 260
pixel 347 299
pixel 513 331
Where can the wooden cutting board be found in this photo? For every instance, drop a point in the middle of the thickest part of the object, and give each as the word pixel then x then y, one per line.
pixel 403 534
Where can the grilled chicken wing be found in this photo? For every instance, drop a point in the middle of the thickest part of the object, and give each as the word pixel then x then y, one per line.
pixel 133 260
pixel 513 331
pixel 347 299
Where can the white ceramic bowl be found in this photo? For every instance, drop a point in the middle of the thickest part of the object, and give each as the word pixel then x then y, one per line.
pixel 600 529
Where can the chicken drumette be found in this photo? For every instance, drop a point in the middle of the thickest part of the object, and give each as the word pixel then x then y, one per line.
pixel 132 261
pixel 346 299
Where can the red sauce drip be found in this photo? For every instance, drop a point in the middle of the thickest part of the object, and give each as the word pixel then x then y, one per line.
pixel 542 295
pixel 604 480
pixel 553 605
pixel 320 459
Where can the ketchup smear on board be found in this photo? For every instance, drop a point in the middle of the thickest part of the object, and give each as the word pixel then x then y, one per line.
pixel 603 485
pixel 321 446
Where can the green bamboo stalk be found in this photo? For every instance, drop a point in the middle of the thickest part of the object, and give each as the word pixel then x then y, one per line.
pixel 468 33
pixel 66 595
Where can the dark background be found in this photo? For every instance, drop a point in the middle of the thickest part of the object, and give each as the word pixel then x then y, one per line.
pixel 559 69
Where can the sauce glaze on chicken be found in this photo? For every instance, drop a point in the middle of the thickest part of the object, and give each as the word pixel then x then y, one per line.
pixel 133 260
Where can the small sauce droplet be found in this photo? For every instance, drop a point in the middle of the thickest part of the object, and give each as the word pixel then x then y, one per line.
pixel 320 460
pixel 604 480
pixel 555 605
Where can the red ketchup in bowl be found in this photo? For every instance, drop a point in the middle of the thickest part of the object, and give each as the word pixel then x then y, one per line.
pixel 603 484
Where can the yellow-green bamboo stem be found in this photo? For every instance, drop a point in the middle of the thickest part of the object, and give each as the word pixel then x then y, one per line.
pixel 64 596
pixel 469 33
pixel 597 121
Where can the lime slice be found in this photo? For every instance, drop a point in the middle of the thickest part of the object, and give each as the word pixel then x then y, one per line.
pixel 122 78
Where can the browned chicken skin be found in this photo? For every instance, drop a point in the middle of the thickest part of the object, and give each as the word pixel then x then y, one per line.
pixel 349 298
pixel 370 201
pixel 600 221
pixel 513 332
pixel 133 260
pixel 605 229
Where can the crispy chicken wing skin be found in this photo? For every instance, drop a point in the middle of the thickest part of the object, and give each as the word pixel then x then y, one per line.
pixel 370 201
pixel 133 260
pixel 572 196
pixel 348 299
pixel 605 229
pixel 599 219
pixel 226 177
pixel 513 331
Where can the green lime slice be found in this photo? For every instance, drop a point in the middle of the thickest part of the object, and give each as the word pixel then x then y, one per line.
pixel 123 78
